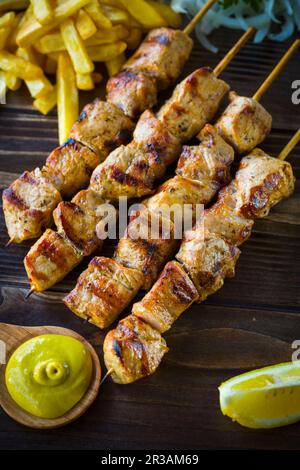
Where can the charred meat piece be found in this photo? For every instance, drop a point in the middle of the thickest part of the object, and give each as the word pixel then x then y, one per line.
pixel 28 205
pixel 209 162
pixel 70 167
pixel 102 127
pixel 208 259
pixel 102 290
pixel 133 350
pixel 126 172
pixel 132 170
pixel 147 244
pixel 245 123
pixel 161 55
pixel 193 104
pixel 177 197
pixel 77 220
pixel 169 297
pixel 49 260
pixel 262 181
pixel 132 92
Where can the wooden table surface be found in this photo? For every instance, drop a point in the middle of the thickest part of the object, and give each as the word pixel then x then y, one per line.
pixel 250 323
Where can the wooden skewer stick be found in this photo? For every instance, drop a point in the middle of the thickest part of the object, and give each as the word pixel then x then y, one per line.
pixel 108 373
pixel 10 241
pixel 290 146
pixel 233 51
pixel 193 23
pixel 269 80
pixel 32 290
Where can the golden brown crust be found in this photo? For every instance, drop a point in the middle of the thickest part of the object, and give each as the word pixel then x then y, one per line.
pixel 77 220
pixel 132 170
pixel 132 92
pixel 103 290
pixel 49 260
pixel 161 55
pixel 146 251
pixel 208 259
pixel 133 350
pixel 169 297
pixel 245 123
pixel 70 167
pixel 28 204
pixel 102 127
pixel 193 104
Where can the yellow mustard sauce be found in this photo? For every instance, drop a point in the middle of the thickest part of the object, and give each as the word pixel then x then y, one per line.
pixel 47 375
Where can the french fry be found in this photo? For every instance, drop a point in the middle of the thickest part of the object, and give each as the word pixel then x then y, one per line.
pixel 45 104
pixel 116 15
pixel 76 48
pixel 12 82
pixel 144 13
pixel 114 65
pixel 67 96
pixel 172 18
pixel 85 81
pixel 94 10
pixel 50 66
pixel 52 42
pixel 42 10
pixel 85 25
pixel 7 19
pixel 11 42
pixel 19 67
pixel 106 51
pixel 41 86
pixel 107 36
pixel 32 30
pixel 113 3
pixel 13 5
pixel 134 38
pixel 4 33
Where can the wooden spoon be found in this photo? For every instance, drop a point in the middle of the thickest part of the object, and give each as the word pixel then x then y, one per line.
pixel 13 336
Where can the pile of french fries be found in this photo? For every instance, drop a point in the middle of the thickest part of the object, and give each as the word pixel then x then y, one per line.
pixel 66 38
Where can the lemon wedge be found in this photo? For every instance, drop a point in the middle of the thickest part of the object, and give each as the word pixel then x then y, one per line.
pixel 263 398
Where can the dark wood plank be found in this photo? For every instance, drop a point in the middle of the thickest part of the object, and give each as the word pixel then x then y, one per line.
pixel 251 322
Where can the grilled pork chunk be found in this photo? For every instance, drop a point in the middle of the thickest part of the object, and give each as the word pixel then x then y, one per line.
pixel 102 127
pixel 132 92
pixel 49 259
pixel 28 205
pixel 245 123
pixel 133 350
pixel 101 289
pixel 169 297
pixel 161 55
pixel 193 104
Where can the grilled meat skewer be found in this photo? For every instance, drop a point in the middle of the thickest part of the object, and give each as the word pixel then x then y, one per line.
pixel 205 168
pixel 206 257
pixel 137 170
pixel 200 173
pixel 102 126
pixel 128 171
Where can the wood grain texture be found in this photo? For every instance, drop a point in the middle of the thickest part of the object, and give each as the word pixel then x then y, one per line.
pixel 251 322
pixel 13 336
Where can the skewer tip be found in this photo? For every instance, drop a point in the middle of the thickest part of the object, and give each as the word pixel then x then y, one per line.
pixel 31 291
pixel 108 373
pixel 10 241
